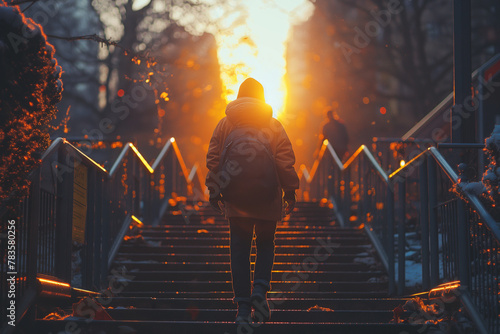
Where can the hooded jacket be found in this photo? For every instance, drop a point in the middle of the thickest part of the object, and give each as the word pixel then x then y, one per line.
pixel 249 111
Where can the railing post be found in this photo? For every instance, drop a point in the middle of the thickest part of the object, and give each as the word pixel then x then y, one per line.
pixel 463 245
pixel 105 229
pixel 331 176
pixel 98 241
pixel 433 228
pixel 137 188
pixel 130 183
pixel 380 212
pixel 347 194
pixel 320 181
pixel 390 238
pixel 33 223
pixel 147 206
pixel 89 245
pixel 401 236
pixel 64 215
pixel 361 207
pixel 366 198
pixel 155 195
pixel 329 180
pixel 424 224
pixel 173 177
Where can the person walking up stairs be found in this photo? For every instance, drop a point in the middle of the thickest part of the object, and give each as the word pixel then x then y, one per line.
pixel 251 178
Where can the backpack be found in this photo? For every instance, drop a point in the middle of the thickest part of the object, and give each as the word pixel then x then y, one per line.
pixel 248 161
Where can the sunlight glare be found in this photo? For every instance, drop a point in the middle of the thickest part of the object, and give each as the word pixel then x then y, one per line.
pixel 251 37
pixel 257 47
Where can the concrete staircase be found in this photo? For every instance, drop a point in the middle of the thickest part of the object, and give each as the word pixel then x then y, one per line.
pixel 177 279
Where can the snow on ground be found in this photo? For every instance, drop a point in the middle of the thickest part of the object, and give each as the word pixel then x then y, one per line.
pixel 413 260
pixel 413 273
pixel 494 139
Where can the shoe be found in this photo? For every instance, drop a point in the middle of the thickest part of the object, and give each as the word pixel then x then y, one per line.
pixel 244 312
pixel 262 312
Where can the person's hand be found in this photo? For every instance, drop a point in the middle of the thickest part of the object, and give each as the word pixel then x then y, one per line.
pixel 289 205
pixel 289 199
pixel 214 203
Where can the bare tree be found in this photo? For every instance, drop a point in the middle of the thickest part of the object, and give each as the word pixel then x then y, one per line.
pixel 121 87
pixel 407 42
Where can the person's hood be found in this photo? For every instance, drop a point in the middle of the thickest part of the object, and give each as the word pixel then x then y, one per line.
pixel 249 111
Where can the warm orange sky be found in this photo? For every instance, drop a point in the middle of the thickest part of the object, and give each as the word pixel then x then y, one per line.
pixel 251 36
pixel 256 46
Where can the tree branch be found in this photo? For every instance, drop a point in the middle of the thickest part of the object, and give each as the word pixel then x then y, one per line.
pixel 21 2
pixel 105 41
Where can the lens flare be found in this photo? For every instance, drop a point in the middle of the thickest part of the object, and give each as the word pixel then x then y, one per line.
pixel 253 44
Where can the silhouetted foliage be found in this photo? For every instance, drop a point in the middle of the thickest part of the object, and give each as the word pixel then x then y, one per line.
pixel 491 178
pixel 29 91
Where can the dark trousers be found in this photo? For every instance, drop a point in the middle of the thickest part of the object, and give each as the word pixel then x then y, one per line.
pixel 242 230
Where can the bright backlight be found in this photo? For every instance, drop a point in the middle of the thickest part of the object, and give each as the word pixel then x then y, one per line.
pixel 257 47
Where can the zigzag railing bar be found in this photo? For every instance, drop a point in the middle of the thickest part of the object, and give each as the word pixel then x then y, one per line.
pixel 471 237
pixel 110 201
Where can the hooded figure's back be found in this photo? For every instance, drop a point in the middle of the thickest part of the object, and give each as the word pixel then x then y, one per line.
pixel 250 110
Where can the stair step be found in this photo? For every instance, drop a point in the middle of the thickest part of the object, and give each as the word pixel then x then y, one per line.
pixel 209 232
pixel 227 303
pixel 200 214
pixel 224 249
pixel 204 266
pixel 306 220
pixel 280 228
pixel 278 315
pixel 306 241
pixel 158 286
pixel 189 327
pixel 272 294
pixel 226 275
pixel 217 258
pixel 181 280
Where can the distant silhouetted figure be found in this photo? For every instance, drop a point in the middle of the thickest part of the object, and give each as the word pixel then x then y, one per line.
pixel 335 131
pixel 250 161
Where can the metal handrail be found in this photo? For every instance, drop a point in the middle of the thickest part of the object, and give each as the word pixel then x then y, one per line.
pixel 471 198
pixel 309 175
pixel 373 162
pixel 162 154
pixel 446 103
pixel 59 142
pixel 436 155
pixel 123 154
pixel 379 221
pixel 114 200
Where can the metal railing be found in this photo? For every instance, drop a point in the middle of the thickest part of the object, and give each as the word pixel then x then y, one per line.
pixel 457 237
pixel 70 225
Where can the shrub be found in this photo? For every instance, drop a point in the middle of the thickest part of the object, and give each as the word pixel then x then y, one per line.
pixel 30 88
